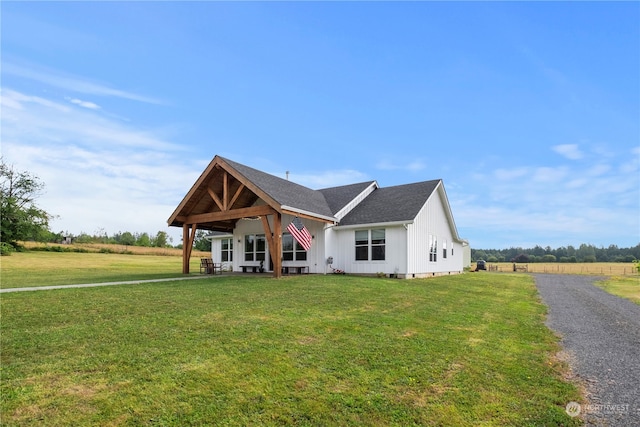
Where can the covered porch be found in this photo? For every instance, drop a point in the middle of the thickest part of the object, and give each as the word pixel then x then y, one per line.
pixel 227 192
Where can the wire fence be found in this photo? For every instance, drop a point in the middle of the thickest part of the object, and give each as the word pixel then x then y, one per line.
pixel 597 268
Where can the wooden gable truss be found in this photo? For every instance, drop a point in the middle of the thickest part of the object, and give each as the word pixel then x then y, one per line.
pixel 220 197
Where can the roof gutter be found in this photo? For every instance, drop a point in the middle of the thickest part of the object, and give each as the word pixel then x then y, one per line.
pixel 375 224
pixel 293 211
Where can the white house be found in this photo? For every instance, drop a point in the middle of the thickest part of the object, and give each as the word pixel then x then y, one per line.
pixel 403 231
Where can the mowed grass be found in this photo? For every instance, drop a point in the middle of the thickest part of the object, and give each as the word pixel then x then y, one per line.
pixel 626 287
pixel 26 269
pixel 308 350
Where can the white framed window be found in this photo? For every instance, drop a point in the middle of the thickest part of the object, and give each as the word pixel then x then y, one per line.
pixel 227 250
pixel 255 247
pixel 444 248
pixel 291 249
pixel 433 248
pixel 370 244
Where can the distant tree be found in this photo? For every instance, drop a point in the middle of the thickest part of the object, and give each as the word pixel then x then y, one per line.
pixel 537 251
pixel 161 240
pixel 143 240
pixel 201 242
pixel 521 258
pixel 20 217
pixel 548 258
pixel 480 254
pixel 585 251
pixel 127 239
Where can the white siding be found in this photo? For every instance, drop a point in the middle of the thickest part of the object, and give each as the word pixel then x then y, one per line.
pixel 406 245
pixel 216 248
pixel 315 256
pixel 344 252
pixel 432 219
pixel 216 251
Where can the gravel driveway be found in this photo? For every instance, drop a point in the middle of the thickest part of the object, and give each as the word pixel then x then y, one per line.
pixel 601 335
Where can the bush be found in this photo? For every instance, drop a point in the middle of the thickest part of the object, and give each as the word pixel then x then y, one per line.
pixel 6 249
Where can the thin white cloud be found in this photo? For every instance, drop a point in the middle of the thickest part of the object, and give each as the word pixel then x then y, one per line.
pixel 414 165
pixel 85 104
pixel 98 172
pixel 592 201
pixel 72 83
pixel 549 175
pixel 36 116
pixel 510 174
pixel 570 151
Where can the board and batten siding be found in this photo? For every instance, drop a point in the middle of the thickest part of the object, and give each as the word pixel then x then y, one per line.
pixel 343 250
pixel 432 220
pixel 315 256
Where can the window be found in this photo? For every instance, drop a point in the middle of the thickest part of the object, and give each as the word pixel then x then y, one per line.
pixel 377 245
pixel 227 250
pixel 370 244
pixel 255 246
pixel 362 245
pixel 444 248
pixel 291 249
pixel 433 248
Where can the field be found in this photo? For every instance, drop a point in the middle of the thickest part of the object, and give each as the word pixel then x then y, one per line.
pixel 110 248
pixel 305 350
pixel 593 268
pixel 25 269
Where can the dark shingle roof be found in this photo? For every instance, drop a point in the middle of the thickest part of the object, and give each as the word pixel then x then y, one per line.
pixel 398 203
pixel 339 197
pixel 285 192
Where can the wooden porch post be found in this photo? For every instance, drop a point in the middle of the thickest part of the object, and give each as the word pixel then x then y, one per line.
pixel 274 239
pixel 277 243
pixel 185 253
pixel 187 245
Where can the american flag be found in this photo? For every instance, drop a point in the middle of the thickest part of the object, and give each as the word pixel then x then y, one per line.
pixel 300 233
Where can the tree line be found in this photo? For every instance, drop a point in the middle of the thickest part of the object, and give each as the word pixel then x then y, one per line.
pixel 583 253
pixel 160 240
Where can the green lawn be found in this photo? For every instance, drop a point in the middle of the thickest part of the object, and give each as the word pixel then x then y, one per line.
pixel 625 287
pixel 308 350
pixel 26 269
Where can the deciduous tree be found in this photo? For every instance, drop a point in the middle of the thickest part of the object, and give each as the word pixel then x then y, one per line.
pixel 20 217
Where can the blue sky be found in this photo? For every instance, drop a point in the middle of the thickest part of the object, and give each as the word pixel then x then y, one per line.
pixel 529 112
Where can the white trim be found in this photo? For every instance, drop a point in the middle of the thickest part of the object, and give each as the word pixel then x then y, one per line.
pixel 374 225
pixel 218 236
pixel 301 211
pixel 356 200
